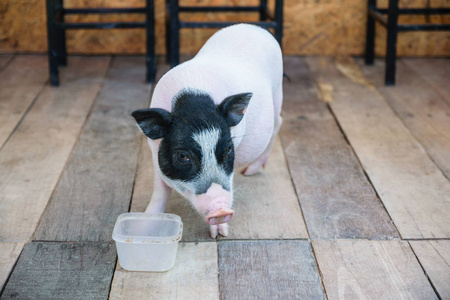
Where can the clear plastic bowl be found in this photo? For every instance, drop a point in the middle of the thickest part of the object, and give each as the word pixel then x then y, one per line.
pixel 147 242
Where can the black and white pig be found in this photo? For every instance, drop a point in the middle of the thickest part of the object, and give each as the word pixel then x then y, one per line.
pixel 214 113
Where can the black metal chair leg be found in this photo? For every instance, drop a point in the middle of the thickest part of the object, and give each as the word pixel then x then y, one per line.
pixel 262 10
pixel 279 21
pixel 168 33
pixel 370 35
pixel 62 52
pixel 391 48
pixel 150 57
pixel 174 29
pixel 61 35
pixel 52 45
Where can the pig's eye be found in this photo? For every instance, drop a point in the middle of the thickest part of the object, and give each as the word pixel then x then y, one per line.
pixel 182 157
pixel 228 152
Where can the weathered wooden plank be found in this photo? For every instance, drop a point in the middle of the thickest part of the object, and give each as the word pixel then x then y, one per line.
pixel 420 107
pixel 435 71
pixel 9 252
pixel 97 183
pixel 34 157
pixel 4 60
pixel 62 271
pixel 371 270
pixel 336 198
pixel 268 270
pixel 266 205
pixel 20 83
pixel 194 276
pixel 435 259
pixel 413 190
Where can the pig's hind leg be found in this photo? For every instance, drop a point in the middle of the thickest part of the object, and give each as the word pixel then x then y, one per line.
pixel 261 161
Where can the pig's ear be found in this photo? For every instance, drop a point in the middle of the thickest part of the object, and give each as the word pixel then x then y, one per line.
pixel 154 122
pixel 233 108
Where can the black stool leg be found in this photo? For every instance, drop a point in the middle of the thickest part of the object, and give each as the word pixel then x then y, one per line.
pixel 279 21
pixel 52 45
pixel 370 35
pixel 150 57
pixel 391 48
pixel 168 35
pixel 262 10
pixel 61 35
pixel 174 35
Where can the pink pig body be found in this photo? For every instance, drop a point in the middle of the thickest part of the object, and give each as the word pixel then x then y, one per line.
pixel 239 58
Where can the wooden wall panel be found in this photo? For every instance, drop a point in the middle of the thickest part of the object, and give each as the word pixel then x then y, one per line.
pixel 312 27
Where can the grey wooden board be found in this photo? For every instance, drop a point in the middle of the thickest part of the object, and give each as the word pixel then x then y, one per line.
pixel 435 71
pixel 413 190
pixel 194 276
pixel 20 83
pixel 336 198
pixel 4 60
pixel 97 182
pixel 48 270
pixel 268 270
pixel 434 256
pixel 371 270
pixel 266 206
pixel 420 107
pixel 34 157
pixel 9 252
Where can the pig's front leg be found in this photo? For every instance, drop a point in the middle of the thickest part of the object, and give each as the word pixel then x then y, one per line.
pixel 221 229
pixel 161 192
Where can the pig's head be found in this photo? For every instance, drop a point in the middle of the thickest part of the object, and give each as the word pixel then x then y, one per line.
pixel 196 154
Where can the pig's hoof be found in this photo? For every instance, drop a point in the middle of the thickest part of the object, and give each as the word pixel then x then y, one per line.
pixel 221 229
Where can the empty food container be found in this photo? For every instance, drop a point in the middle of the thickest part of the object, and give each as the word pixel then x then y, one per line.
pixel 147 242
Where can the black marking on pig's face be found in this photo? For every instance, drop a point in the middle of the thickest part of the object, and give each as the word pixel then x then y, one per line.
pixel 197 149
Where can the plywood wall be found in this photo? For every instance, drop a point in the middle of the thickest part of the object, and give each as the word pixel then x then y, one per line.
pixel 311 27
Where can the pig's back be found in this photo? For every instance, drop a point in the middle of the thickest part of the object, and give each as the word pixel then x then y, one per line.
pixel 245 46
pixel 236 59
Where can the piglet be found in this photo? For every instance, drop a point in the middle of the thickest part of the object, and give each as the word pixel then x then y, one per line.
pixel 212 114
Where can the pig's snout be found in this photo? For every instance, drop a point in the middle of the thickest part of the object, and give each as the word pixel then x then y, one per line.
pixel 215 205
pixel 219 217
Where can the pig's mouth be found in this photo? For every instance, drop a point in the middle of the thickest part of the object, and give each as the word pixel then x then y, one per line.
pixel 219 216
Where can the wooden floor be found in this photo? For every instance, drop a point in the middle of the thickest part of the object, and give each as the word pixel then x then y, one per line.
pixel 354 203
